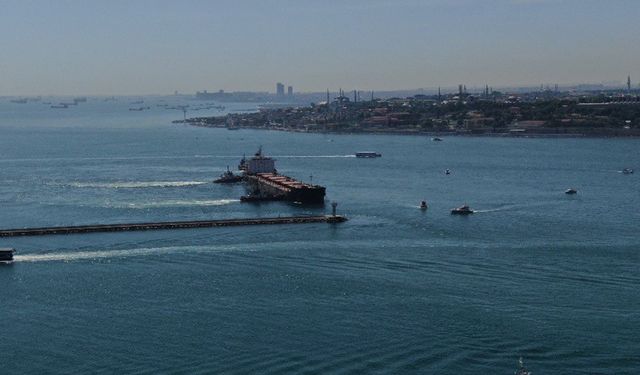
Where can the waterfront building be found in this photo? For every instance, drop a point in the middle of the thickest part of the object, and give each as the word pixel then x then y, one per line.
pixel 279 89
pixel 290 90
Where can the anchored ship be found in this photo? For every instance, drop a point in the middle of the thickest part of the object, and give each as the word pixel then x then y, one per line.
pixel 266 184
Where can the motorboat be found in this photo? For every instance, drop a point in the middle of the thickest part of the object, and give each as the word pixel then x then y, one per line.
pixel 521 369
pixel 571 191
pixel 423 205
pixel 462 210
pixel 368 154
pixel 6 255
pixel 436 139
pixel 228 177
pixel 627 171
pixel 446 171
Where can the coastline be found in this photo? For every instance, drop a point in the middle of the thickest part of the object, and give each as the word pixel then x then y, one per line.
pixel 604 133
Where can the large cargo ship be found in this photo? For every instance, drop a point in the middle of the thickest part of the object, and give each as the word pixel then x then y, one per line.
pixel 265 183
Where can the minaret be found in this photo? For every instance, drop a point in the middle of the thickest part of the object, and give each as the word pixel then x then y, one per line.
pixel 629 82
pixel 439 94
pixel 355 97
pixel 327 96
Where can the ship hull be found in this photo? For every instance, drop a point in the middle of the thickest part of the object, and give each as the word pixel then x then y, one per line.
pixel 266 187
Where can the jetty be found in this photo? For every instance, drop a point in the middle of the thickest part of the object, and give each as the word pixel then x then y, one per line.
pixel 44 231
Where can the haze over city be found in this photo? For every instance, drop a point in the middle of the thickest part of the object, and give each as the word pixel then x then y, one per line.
pixel 156 47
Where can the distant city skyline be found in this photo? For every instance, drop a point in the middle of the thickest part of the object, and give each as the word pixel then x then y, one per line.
pixel 70 47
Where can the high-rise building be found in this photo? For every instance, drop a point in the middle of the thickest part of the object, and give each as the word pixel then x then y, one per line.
pixel 279 89
pixel 290 90
pixel 629 82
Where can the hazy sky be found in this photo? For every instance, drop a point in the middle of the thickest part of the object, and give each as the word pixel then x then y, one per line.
pixel 142 47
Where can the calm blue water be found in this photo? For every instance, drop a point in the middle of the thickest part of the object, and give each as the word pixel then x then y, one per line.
pixel 534 273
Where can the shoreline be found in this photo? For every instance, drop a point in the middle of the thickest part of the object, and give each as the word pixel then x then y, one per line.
pixel 614 132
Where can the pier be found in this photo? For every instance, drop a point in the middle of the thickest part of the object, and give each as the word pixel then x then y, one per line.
pixel 44 231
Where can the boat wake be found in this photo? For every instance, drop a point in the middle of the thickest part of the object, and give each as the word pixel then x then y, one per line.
pixel 177 203
pixel 101 254
pixel 278 156
pixel 136 184
pixel 312 156
pixel 515 207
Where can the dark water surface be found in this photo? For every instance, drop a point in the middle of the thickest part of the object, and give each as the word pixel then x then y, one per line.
pixel 534 273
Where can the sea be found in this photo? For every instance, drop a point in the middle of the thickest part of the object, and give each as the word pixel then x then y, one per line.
pixel 533 273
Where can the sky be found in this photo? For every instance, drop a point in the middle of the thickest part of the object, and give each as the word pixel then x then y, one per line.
pixel 112 47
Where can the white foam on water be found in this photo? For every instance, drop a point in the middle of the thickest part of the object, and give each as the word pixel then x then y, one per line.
pixel 179 203
pixel 313 156
pixel 136 184
pixel 102 254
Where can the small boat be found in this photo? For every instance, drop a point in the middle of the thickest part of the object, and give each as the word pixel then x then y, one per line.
pixel 228 178
pixel 521 369
pixel 462 210
pixel 571 191
pixel 423 205
pixel 446 171
pixel 627 171
pixel 436 139
pixel 6 255
pixel 368 154
pixel 60 106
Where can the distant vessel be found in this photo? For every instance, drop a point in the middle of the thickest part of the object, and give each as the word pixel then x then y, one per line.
pixel 571 191
pixel 446 171
pixel 423 205
pixel 6 255
pixel 19 101
pixel 521 369
pixel 368 154
pixel 436 139
pixel 60 106
pixel 228 178
pixel 462 210
pixel 80 100
pixel 627 171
